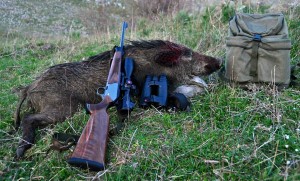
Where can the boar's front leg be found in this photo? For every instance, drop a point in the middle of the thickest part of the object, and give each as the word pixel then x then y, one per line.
pixel 28 126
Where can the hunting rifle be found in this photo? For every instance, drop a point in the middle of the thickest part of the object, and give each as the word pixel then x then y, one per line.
pixel 91 146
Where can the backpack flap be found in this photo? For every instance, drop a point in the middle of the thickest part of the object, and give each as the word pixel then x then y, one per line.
pixel 264 24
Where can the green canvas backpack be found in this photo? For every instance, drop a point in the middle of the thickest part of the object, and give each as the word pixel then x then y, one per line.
pixel 258 49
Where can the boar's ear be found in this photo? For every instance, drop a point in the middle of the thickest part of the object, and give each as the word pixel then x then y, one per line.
pixel 172 55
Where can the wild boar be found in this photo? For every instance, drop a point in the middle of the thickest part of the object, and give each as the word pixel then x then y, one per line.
pixel 59 92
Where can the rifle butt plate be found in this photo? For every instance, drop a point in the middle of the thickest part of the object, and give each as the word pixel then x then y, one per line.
pixel 85 163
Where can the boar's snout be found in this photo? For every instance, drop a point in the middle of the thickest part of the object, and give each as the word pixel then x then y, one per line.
pixel 213 66
pixel 205 65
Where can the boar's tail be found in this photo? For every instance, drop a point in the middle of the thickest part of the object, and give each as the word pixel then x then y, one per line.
pixel 23 96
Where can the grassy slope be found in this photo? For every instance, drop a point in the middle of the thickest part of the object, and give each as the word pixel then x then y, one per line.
pixel 229 134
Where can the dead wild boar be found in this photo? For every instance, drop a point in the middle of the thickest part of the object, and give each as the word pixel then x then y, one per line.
pixel 57 93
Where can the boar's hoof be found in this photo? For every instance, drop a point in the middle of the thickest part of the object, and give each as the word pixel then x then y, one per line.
pixel 194 87
pixel 22 149
pixel 189 90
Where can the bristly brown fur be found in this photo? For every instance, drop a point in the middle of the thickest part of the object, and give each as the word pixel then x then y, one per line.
pixel 147 44
pixel 58 92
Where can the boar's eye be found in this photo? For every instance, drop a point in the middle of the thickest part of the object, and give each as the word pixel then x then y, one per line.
pixel 186 56
pixel 187 53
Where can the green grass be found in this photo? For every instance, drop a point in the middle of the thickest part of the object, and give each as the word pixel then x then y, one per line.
pixel 229 134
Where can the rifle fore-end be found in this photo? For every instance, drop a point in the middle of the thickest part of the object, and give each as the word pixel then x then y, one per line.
pixel 114 72
pixel 91 146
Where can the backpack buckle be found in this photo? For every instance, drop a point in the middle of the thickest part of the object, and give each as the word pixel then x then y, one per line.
pixel 257 37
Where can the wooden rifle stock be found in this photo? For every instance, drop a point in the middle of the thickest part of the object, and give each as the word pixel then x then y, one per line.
pixel 91 146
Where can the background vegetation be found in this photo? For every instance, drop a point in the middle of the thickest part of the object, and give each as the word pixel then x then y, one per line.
pixel 229 134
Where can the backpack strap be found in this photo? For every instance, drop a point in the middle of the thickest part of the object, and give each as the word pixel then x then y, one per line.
pixel 254 56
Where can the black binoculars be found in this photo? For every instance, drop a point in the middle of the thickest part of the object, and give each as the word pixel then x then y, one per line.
pixel 155 91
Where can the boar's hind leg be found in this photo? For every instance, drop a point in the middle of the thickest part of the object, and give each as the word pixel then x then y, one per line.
pixel 29 123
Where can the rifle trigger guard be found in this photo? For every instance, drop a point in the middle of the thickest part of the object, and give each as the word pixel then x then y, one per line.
pixel 102 90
